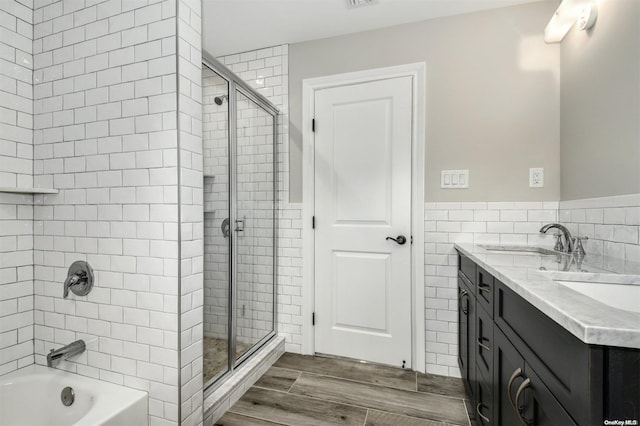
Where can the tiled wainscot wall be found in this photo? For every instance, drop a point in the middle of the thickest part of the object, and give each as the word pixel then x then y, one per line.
pixel 478 223
pixel 611 224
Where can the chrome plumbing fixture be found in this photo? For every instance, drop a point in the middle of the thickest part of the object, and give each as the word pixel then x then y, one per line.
pixel 79 279
pixel 67 396
pixel 219 99
pixel 578 249
pixel 56 355
pixel 225 228
pixel 568 239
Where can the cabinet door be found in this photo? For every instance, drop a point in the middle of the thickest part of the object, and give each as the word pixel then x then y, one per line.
pixel 484 402
pixel 508 376
pixel 466 336
pixel 484 342
pixel 540 407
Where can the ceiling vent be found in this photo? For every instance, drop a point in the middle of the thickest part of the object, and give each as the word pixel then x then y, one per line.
pixel 361 3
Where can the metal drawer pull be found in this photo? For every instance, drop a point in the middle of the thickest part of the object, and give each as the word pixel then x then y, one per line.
pixel 482 345
pixel 514 376
pixel 484 419
pixel 521 389
pixel 460 296
pixel 484 287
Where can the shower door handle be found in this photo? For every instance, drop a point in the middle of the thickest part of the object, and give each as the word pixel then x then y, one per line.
pixel 239 225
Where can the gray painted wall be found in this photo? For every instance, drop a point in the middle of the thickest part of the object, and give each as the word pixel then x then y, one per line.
pixel 600 104
pixel 492 97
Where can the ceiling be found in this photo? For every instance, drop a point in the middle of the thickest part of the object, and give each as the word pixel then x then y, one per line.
pixel 234 26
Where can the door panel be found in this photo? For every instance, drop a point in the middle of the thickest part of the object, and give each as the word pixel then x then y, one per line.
pixel 357 274
pixel 362 183
pixel 363 196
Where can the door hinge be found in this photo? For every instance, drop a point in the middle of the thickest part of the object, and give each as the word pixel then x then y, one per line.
pixel 313 318
pixel 412 239
pixel 313 222
pixel 313 124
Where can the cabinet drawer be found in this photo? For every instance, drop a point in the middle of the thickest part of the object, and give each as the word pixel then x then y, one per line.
pixel 483 345
pixel 468 268
pixel 484 293
pixel 560 360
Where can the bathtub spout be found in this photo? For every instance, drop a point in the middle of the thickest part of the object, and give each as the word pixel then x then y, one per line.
pixel 56 355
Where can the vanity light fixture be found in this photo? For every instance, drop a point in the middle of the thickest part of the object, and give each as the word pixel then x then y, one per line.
pixel 581 13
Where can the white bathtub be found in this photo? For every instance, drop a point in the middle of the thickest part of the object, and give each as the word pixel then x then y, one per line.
pixel 31 397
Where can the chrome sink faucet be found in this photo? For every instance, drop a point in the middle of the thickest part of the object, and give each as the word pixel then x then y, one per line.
pixel 56 355
pixel 568 239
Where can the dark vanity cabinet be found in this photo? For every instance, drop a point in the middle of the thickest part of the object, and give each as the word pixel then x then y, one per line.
pixel 522 368
pixel 467 332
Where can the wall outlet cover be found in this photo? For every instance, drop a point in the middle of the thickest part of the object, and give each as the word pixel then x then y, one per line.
pixel 536 177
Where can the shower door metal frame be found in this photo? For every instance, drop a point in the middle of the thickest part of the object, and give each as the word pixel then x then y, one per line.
pixel 237 85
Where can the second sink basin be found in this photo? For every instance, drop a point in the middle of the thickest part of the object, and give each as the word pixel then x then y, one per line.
pixel 619 296
pixel 520 249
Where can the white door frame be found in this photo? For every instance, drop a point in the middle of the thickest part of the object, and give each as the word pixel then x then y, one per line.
pixel 309 86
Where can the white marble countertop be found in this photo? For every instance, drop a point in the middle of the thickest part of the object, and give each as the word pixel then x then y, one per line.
pixel 589 320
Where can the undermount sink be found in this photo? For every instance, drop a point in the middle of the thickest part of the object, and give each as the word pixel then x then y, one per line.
pixel 619 296
pixel 520 249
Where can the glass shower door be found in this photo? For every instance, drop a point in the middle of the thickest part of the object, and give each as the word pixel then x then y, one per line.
pixel 254 224
pixel 217 244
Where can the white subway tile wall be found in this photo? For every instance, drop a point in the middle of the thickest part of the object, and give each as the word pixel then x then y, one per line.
pixel 478 223
pixel 16 93
pixel 16 170
pixel 16 281
pixel 611 224
pixel 106 126
pixel 191 209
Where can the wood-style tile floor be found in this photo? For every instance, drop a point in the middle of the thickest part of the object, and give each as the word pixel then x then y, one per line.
pixel 304 390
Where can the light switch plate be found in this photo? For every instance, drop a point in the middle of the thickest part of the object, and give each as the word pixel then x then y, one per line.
pixel 536 177
pixel 454 179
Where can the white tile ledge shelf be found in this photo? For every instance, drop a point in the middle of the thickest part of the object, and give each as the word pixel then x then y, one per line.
pixel 589 320
pixel 28 190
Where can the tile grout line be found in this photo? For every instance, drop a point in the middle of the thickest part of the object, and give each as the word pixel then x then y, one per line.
pixel 294 382
pixel 366 416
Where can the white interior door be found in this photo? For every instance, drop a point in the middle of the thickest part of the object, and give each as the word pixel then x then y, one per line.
pixel 362 196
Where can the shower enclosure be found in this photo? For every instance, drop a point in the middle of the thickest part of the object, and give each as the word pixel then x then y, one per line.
pixel 239 138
